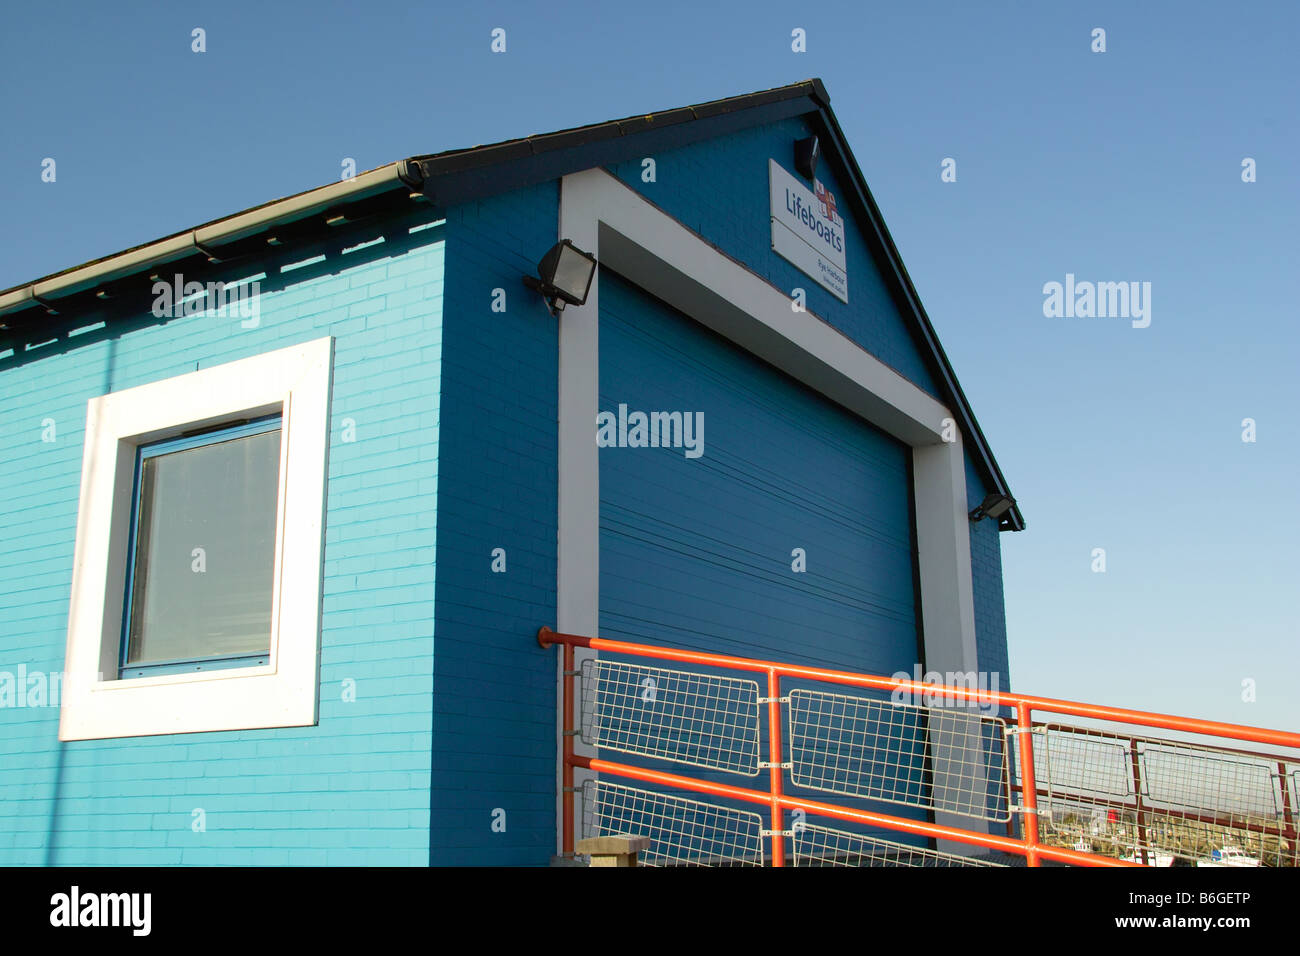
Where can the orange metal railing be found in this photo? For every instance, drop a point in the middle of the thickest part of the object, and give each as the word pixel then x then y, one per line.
pixel 1208 763
pixel 1190 789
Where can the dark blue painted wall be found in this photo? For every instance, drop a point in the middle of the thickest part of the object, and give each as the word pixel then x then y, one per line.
pixel 494 700
pixel 719 188
pixel 986 582
pixel 698 552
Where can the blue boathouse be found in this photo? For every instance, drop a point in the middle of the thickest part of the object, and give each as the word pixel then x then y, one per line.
pixel 287 495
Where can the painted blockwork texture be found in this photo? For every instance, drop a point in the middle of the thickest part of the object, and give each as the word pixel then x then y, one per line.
pixel 719 188
pixel 700 552
pixel 355 788
pixel 493 783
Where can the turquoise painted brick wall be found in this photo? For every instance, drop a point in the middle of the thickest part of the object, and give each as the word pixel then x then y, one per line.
pixel 494 688
pixel 352 790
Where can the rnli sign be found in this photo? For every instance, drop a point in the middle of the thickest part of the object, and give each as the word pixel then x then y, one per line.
pixel 808 231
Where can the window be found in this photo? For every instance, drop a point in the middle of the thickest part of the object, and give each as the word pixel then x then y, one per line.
pixel 195 600
pixel 202 555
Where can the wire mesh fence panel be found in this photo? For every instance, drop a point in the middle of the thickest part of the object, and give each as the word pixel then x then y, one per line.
pixel 1082 766
pixel 1085 787
pixel 699 720
pixel 910 754
pixel 1158 802
pixel 682 831
pixel 825 846
pixel 1205 801
pixel 1186 777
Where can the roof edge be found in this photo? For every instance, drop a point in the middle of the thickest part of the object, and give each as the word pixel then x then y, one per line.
pixel 206 238
pixel 420 173
pixel 1014 519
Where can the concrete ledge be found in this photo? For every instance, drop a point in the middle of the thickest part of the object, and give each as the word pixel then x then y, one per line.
pixel 619 850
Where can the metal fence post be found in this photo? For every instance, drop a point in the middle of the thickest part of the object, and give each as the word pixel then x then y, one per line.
pixel 1288 820
pixel 1135 760
pixel 774 758
pixel 1029 791
pixel 569 731
pixel 546 638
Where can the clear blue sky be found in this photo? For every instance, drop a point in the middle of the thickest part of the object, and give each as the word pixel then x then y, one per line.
pixel 1117 166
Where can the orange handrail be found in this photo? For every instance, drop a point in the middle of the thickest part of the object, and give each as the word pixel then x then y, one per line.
pixel 1281 738
pixel 1022 704
pixel 821 808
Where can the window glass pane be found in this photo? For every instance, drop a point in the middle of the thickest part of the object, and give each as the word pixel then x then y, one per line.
pixel 220 498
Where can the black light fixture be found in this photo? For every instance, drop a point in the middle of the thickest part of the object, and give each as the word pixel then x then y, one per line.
pixel 806 153
pixel 994 505
pixel 564 276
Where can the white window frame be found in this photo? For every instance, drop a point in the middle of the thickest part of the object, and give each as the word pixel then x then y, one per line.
pixel 95 703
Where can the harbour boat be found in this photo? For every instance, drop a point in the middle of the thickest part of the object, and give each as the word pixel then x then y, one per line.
pixel 1229 856
pixel 1153 858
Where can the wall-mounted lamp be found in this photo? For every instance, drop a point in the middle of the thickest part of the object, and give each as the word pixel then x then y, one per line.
pixel 564 276
pixel 993 506
pixel 806 153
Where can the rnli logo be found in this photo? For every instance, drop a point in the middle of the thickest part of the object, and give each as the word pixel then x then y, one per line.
pixel 827 200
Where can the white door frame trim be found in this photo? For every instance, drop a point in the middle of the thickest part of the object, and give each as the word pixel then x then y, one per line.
pixel 629 234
